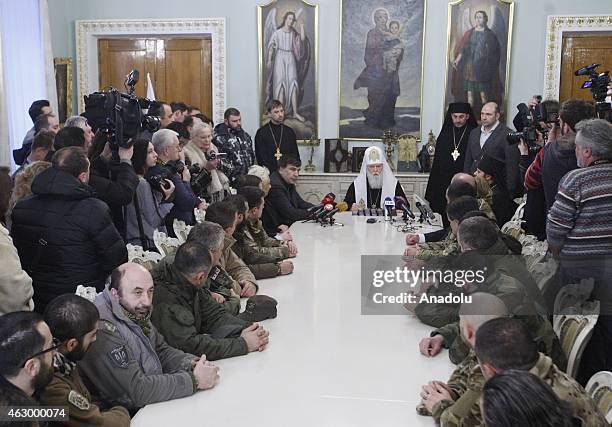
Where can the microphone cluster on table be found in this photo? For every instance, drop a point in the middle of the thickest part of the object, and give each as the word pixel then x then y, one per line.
pixel 323 213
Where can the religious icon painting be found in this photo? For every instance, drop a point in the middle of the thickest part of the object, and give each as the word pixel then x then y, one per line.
pixel 288 62
pixel 381 67
pixel 478 52
pixel 358 155
pixel 337 158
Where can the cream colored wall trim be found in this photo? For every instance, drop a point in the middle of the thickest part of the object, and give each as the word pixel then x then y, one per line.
pixel 557 25
pixel 87 33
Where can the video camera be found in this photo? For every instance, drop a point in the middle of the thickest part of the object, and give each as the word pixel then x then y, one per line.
pixel 527 123
pixel 598 83
pixel 120 115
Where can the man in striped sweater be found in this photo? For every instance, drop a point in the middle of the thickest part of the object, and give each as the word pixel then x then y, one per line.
pixel 579 232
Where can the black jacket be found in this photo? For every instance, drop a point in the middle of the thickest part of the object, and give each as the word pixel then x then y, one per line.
pixel 559 159
pixel 283 204
pixel 115 184
pixel 497 147
pixel 82 244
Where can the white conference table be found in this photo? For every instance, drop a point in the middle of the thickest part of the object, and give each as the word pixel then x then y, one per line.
pixel 326 364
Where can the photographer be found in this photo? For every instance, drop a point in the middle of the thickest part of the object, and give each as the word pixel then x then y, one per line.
pixel 149 208
pixel 201 151
pixel 538 119
pixel 167 147
pixel 114 179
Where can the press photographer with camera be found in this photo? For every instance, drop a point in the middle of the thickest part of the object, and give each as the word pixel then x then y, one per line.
pixel 169 166
pixel 533 122
pixel 212 183
pixel 152 200
pixel 552 162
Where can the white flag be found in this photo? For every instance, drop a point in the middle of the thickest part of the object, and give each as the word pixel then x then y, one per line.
pixel 150 91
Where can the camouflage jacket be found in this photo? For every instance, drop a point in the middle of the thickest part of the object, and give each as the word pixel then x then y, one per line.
pixel 467 382
pixel 256 237
pixel 445 247
pixel 238 147
pixel 568 390
pixel 220 282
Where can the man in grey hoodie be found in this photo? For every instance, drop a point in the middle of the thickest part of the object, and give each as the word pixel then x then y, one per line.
pixel 130 364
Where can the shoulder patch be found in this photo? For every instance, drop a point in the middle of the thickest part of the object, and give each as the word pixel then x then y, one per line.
pixel 119 357
pixel 107 326
pixel 78 400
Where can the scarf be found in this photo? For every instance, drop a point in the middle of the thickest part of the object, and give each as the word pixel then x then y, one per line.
pixel 143 324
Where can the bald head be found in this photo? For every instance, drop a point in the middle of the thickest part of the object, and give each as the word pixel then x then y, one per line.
pixel 482 308
pixel 489 115
pixel 132 286
pixel 464 177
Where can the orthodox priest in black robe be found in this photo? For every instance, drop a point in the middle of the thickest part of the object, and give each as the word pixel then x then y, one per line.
pixel 450 153
pixel 275 139
pixel 374 183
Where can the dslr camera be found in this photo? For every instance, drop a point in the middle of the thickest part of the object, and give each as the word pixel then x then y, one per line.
pixel 120 115
pixel 598 84
pixel 528 124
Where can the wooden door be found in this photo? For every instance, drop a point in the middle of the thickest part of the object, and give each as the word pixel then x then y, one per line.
pixel 580 49
pixel 180 68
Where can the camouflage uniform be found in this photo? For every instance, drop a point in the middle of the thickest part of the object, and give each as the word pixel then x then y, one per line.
pixel 238 146
pixel 467 382
pixel 191 320
pixel 67 389
pixel 445 247
pixel 263 264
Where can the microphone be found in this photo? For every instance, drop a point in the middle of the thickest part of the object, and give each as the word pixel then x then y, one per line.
pixel 314 210
pixel 428 212
pixel 323 213
pixel 401 203
pixel 389 205
pixel 343 206
pixel 330 214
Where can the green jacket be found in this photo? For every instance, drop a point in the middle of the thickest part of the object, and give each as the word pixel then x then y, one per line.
pixel 467 382
pixel 190 318
pixel 68 389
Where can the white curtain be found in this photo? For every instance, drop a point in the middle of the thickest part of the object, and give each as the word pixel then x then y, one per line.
pixel 27 71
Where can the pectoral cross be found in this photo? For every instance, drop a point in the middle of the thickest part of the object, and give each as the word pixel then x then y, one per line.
pixel 278 154
pixel 455 155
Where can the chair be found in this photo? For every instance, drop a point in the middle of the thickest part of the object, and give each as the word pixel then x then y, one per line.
pixel 200 215
pixel 164 244
pixel 543 272
pixel 574 297
pixel 513 227
pixel 599 388
pixel 181 230
pixel 87 292
pixel 574 332
pixel 147 259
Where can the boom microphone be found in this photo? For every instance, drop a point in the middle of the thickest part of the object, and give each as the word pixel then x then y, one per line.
pixel 401 203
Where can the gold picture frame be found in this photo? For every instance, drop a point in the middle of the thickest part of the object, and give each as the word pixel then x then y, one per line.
pixel 356 21
pixel 272 19
pixel 462 22
pixel 63 83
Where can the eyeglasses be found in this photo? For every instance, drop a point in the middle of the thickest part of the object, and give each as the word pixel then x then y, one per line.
pixel 55 343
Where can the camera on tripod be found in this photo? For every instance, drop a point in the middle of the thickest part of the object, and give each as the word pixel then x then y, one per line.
pixel 598 84
pixel 120 115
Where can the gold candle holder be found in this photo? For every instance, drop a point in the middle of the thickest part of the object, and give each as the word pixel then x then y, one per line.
pixel 312 143
pixel 390 139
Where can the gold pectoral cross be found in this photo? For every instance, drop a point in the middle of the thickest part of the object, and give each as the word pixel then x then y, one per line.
pixel 455 154
pixel 278 154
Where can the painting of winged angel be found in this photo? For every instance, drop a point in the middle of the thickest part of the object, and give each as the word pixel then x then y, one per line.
pixel 288 61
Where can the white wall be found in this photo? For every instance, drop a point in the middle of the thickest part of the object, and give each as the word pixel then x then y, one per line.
pixel 526 66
